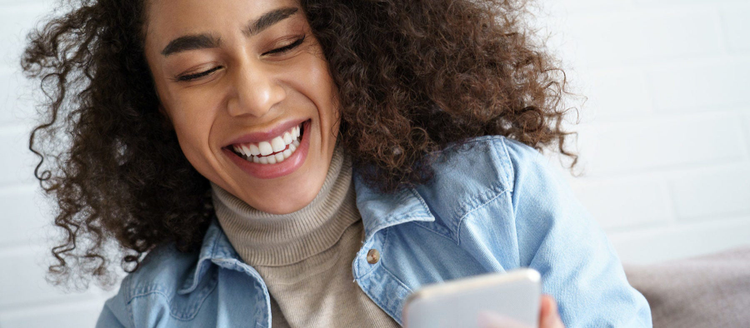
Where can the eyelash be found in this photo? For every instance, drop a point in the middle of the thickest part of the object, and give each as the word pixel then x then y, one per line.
pixel 190 77
pixel 286 48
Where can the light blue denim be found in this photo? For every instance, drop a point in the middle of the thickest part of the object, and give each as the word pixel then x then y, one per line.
pixel 493 206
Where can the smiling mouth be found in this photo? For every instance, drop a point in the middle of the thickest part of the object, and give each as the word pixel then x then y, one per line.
pixel 271 151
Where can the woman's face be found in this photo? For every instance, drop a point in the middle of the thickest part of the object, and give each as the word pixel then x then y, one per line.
pixel 250 96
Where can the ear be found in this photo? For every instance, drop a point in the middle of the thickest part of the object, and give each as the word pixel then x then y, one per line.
pixel 165 119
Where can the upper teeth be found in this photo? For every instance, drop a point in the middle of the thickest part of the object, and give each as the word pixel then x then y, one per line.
pixel 259 153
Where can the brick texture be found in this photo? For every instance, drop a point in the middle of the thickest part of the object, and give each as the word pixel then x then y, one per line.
pixel 622 204
pixel 736 25
pixel 615 94
pixel 666 129
pixel 665 139
pixel 643 35
pixel 710 193
pixel 715 85
pixel 662 143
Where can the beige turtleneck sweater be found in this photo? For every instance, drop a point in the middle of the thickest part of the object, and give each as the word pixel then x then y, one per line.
pixel 305 257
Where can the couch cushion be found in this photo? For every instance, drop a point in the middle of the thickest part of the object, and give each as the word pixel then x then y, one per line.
pixel 706 291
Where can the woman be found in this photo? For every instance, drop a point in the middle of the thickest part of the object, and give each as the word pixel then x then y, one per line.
pixel 284 163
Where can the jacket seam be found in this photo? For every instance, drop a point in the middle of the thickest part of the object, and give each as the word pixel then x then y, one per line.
pixel 512 182
pixel 424 226
pixel 203 295
pixel 197 277
pixel 127 281
pixel 166 298
pixel 419 198
pixel 497 189
pixel 379 297
pixel 379 263
pixel 169 303
pixel 386 234
pixel 511 174
pixel 130 313
pixel 396 278
pixel 401 283
pixel 156 292
pixel 463 218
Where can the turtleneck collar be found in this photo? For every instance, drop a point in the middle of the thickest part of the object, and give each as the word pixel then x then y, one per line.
pixel 264 239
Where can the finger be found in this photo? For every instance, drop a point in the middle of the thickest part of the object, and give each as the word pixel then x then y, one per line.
pixel 550 316
pixel 488 319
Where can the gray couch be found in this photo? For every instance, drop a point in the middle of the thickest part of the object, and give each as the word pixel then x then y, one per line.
pixel 706 291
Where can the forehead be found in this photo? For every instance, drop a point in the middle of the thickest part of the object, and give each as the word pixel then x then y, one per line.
pixel 168 19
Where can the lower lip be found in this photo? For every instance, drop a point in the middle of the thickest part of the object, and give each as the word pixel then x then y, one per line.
pixel 271 171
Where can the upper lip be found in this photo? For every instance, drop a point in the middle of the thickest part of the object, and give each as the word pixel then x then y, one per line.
pixel 277 130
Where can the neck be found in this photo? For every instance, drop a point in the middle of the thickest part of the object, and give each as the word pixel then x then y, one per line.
pixel 264 239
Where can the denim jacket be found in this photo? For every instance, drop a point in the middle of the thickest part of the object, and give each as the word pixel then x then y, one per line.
pixel 494 205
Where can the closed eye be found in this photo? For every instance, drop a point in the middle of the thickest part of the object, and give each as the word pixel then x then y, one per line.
pixel 190 77
pixel 281 50
pixel 286 48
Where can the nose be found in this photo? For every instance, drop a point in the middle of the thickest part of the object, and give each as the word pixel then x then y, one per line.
pixel 256 91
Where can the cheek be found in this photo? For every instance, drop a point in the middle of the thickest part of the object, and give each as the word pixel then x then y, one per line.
pixel 329 105
pixel 193 125
pixel 319 87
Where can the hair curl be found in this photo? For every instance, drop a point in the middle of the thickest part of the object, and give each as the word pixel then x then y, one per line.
pixel 414 76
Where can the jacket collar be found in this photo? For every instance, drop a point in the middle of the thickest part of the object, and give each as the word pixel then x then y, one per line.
pixel 215 247
pixel 378 211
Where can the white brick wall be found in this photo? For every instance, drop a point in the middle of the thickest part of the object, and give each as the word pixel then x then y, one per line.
pixel 665 134
pixel 665 139
pixel 735 25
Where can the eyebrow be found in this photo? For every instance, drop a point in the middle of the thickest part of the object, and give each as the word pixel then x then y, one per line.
pixel 268 19
pixel 206 41
pixel 191 42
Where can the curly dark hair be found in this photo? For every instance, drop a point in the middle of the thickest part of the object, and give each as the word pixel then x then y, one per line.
pixel 414 76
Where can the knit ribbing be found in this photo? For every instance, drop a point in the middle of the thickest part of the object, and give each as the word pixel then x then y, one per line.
pixel 264 239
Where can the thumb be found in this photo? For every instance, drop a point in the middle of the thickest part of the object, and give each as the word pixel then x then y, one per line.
pixel 549 314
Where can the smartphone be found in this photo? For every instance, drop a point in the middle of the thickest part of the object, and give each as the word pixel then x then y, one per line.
pixel 458 303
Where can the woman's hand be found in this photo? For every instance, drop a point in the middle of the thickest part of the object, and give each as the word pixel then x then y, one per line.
pixel 549 317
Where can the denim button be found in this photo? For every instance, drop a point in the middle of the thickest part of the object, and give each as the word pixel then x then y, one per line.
pixel 373 256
